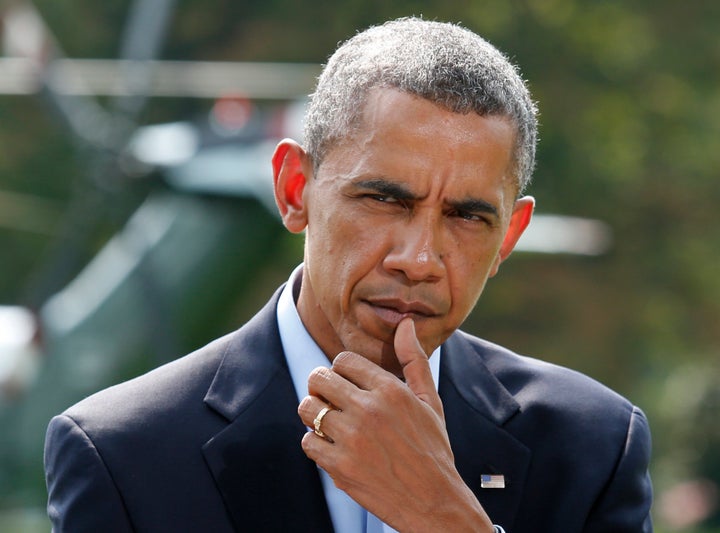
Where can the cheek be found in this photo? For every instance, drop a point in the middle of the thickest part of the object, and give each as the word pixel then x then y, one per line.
pixel 348 238
pixel 331 242
pixel 340 252
pixel 468 278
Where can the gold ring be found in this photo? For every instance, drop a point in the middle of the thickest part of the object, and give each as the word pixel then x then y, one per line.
pixel 319 418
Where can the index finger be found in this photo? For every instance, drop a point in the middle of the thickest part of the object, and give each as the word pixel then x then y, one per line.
pixel 359 370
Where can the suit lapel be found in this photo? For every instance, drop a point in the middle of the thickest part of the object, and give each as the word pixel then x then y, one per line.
pixel 477 406
pixel 266 481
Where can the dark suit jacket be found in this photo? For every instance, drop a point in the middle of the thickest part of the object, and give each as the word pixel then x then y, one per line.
pixel 211 443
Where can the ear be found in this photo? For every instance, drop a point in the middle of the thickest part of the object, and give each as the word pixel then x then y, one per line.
pixel 291 172
pixel 519 220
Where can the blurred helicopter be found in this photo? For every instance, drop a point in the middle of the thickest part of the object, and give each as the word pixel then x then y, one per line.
pixel 204 234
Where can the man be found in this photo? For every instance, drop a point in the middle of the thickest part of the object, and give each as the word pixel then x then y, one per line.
pixel 420 139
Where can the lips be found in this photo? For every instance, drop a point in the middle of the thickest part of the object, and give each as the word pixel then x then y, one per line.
pixel 394 310
pixel 401 306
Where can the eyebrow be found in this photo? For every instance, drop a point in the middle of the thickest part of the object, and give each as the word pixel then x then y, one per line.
pixel 474 205
pixel 396 190
pixel 383 186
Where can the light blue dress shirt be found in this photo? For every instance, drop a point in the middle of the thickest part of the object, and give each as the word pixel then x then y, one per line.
pixel 303 356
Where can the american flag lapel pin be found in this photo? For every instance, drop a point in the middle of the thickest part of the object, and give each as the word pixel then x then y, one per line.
pixel 492 481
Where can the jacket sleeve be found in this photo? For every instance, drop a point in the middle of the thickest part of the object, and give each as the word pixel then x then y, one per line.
pixel 82 496
pixel 624 505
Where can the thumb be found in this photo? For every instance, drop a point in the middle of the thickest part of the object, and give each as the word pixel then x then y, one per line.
pixel 415 365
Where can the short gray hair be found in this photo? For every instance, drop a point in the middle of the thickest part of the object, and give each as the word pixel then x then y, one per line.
pixel 441 62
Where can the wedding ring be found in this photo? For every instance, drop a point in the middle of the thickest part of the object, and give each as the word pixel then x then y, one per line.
pixel 318 420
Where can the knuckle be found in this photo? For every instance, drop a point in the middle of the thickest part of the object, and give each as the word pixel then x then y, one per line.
pixel 307 444
pixel 370 410
pixel 392 391
pixel 305 408
pixel 305 403
pixel 352 434
pixel 319 377
pixel 321 374
pixel 308 409
pixel 344 360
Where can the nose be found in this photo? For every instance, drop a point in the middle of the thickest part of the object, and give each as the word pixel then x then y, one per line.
pixel 416 249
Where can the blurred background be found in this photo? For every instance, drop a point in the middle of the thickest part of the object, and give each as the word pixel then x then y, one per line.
pixel 137 223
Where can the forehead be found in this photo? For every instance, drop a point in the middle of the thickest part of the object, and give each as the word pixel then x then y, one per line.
pixel 404 137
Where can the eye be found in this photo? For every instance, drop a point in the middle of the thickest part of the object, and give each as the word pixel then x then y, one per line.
pixel 471 217
pixel 467 215
pixel 387 199
pixel 384 198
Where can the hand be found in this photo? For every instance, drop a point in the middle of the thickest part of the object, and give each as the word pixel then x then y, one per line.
pixel 386 444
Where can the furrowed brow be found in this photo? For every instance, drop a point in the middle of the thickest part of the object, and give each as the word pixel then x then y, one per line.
pixel 382 186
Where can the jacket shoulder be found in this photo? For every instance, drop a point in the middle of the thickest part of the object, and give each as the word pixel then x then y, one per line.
pixel 564 405
pixel 161 391
pixel 537 383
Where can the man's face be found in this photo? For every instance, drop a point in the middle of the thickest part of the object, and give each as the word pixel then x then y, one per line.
pixel 406 217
